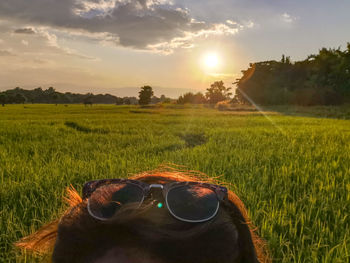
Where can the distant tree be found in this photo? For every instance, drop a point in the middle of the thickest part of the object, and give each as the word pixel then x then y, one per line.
pixel 188 97
pixel 55 98
pixel 199 98
pixel 164 99
pixel 191 98
pixel 130 100
pixel 127 101
pixel 180 100
pixel 155 100
pixel 235 100
pixel 38 89
pixel 119 101
pixel 217 92
pixel 50 90
pixel 88 100
pixel 49 95
pixel 288 61
pixel 145 95
pixel 19 98
pixel 3 99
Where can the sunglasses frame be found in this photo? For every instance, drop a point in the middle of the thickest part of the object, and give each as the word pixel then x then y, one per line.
pixel 91 186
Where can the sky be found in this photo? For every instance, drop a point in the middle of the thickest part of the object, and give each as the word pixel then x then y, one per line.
pixel 175 46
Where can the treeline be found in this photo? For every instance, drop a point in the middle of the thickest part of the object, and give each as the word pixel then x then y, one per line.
pixel 322 79
pixel 216 93
pixel 51 96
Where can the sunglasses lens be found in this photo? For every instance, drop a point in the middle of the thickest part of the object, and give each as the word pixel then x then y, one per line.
pixel 192 203
pixel 108 199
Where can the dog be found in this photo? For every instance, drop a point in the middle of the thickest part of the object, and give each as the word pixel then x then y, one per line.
pixel 150 233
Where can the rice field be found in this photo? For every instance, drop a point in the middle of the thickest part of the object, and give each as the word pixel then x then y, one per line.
pixel 292 172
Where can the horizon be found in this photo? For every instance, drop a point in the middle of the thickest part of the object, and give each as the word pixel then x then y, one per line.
pixel 118 92
pixel 117 46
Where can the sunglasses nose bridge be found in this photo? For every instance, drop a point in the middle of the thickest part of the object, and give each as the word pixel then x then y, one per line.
pixel 156 186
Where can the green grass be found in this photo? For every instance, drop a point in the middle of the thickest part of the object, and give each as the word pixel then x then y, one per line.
pixel 293 173
pixel 338 112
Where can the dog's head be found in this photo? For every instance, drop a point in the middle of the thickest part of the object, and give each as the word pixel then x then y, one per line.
pixel 150 234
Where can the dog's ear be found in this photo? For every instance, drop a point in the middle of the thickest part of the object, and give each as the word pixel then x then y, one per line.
pixel 253 249
pixel 42 241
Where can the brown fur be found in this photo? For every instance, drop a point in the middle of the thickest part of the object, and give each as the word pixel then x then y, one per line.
pixel 43 241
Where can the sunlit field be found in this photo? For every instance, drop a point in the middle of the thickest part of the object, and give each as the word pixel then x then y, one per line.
pixel 292 172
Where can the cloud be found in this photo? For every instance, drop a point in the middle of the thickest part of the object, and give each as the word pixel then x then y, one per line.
pixel 51 41
pixel 6 53
pixel 74 53
pixel 287 18
pixel 250 24
pixel 187 41
pixel 42 44
pixel 24 31
pixel 140 24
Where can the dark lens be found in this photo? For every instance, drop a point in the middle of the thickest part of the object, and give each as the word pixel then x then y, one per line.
pixel 108 199
pixel 192 203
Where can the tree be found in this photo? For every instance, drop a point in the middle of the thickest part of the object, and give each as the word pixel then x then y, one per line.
pixel 155 100
pixel 55 98
pixel 321 79
pixel 130 100
pixel 217 92
pixel 164 99
pixel 19 98
pixel 50 90
pixel 199 98
pixel 145 95
pixel 189 97
pixel 49 95
pixel 119 101
pixel 127 101
pixel 88 99
pixel 3 99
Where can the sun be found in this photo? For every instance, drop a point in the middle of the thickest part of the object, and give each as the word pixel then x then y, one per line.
pixel 211 60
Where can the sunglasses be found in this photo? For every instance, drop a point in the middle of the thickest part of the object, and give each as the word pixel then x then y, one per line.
pixel 192 202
